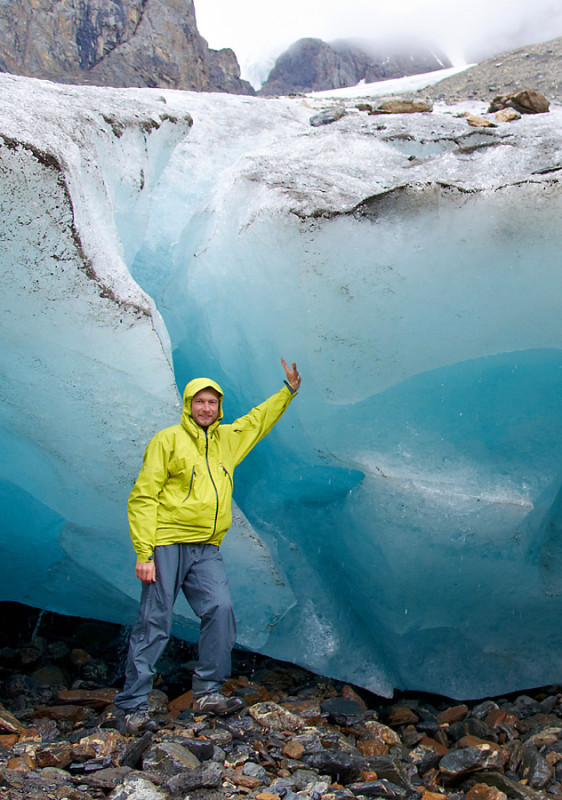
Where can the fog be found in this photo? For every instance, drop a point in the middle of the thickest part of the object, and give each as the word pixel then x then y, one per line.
pixel 467 31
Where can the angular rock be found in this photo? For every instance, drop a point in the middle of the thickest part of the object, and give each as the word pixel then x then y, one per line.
pixel 479 122
pixel 402 715
pixel 379 788
pixel 425 758
pixel 137 788
pixel 327 117
pixel 469 727
pixel 56 754
pixel 308 709
pixel 534 767
pixel 342 767
pixel 100 744
pixel 453 714
pixel 399 106
pixel 201 748
pixel 9 723
pixel 372 747
pixel 93 698
pixel 461 762
pixel 106 779
pixel 181 703
pixel 482 710
pixel 273 716
pixel 206 776
pixel 526 101
pixel 49 676
pixel 382 732
pixel 343 712
pixel 133 753
pixel 310 741
pixel 474 741
pixel 168 759
pixel 392 769
pixel 481 791
pixel 293 750
pixel 512 788
pixel 436 746
pixel 507 115
pixel 349 693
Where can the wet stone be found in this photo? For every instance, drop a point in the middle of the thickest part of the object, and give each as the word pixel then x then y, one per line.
pixel 57 754
pixel 293 750
pixel 425 758
pixel 106 778
pixel 512 788
pixel 453 714
pixel 481 791
pixel 343 767
pixel 534 767
pixel 167 759
pixel 379 788
pixel 273 716
pixel 294 744
pixel 137 788
pixel 132 755
pixel 93 698
pixel 202 749
pixel 482 710
pixel 50 675
pixel 460 762
pixel 343 712
pixel 205 776
pixel 469 726
pixel 401 715
pixel 254 770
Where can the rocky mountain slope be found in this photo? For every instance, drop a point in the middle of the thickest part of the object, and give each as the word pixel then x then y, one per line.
pixel 114 43
pixel 538 66
pixel 312 65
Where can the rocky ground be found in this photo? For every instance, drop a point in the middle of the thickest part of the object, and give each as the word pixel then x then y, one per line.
pixel 300 736
pixel 536 66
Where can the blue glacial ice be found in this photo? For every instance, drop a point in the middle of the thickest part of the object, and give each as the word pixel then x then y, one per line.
pixel 401 526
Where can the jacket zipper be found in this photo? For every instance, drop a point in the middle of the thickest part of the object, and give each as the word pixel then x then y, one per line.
pixel 212 481
pixel 190 483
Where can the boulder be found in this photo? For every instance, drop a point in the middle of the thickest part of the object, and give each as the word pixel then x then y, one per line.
pixel 526 101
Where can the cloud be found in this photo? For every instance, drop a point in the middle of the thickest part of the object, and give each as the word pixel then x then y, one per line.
pixel 258 32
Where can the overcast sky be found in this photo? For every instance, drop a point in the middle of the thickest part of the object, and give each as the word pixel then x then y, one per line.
pixel 468 30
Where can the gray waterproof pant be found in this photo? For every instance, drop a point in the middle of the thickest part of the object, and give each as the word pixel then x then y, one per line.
pixel 198 570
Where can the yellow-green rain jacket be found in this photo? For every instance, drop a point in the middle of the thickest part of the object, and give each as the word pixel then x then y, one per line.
pixel 184 490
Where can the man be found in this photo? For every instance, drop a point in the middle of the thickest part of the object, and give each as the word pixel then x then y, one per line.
pixel 179 512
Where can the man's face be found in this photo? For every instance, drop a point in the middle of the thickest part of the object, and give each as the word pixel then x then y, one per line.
pixel 205 407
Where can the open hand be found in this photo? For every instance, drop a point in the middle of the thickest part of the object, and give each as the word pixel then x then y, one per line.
pixel 292 373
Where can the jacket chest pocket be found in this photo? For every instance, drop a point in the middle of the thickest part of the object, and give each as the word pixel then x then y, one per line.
pixel 225 474
pixel 182 474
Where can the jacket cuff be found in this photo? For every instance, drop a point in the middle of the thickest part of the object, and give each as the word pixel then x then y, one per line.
pixel 290 388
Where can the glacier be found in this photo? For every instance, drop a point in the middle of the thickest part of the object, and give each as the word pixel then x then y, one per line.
pixel 401 527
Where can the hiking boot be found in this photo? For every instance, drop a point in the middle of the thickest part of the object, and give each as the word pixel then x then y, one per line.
pixel 139 722
pixel 216 703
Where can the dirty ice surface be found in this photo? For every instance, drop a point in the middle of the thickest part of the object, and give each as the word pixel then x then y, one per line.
pixel 400 528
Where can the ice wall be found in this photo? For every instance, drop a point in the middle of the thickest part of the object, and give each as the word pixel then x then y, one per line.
pixel 400 527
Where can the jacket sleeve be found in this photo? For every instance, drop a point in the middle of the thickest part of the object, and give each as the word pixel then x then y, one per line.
pixel 142 506
pixel 247 431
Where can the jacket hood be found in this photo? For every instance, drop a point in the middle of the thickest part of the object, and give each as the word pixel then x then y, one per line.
pixel 194 386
